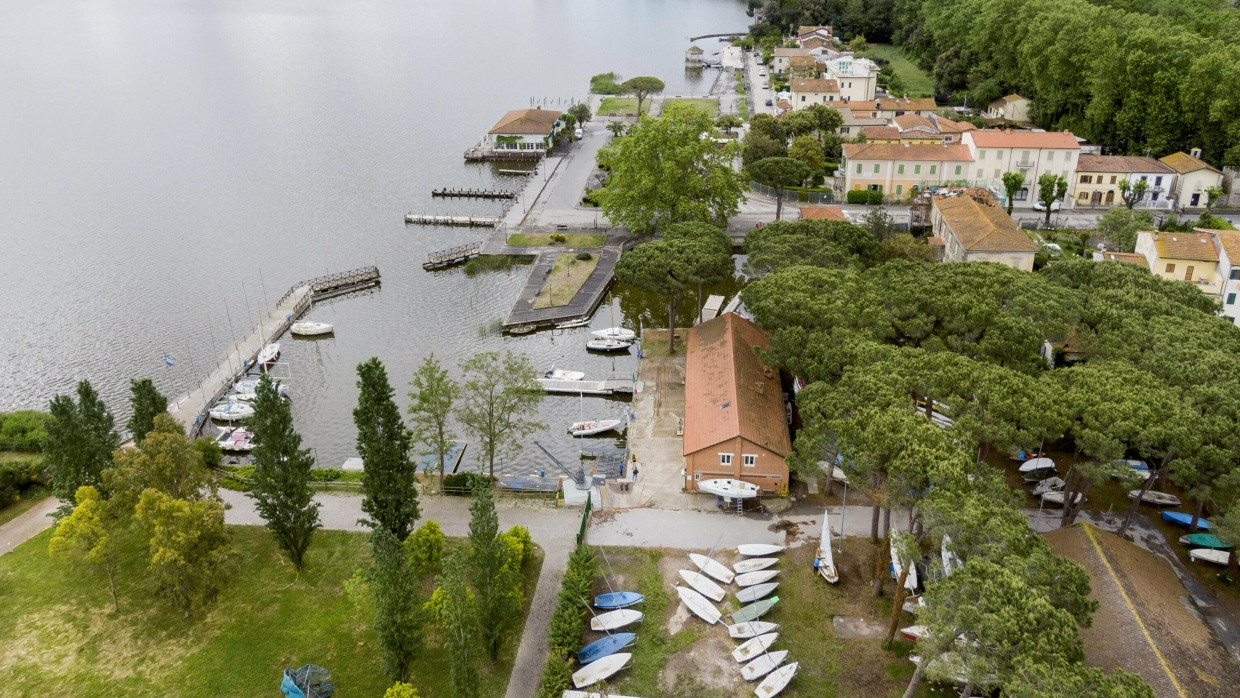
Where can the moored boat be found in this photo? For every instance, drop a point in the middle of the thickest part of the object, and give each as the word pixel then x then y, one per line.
pixel 617 333
pixel 569 324
pixel 238 440
pixel 559 374
pixel 608 345
pixel 307 328
pixel 598 426
pixel 269 353
pixel 230 411
pixel 247 388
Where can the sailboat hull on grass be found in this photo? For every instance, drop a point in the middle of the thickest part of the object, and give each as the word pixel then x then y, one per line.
pixel 604 668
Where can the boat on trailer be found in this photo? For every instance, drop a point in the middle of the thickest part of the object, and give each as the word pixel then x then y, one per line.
pixel 729 488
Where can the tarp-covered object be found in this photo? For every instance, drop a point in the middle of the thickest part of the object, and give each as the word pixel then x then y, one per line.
pixel 310 681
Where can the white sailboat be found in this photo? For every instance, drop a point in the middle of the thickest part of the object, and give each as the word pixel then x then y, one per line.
pixel 269 353
pixel 1050 484
pixel 619 334
pixel 751 578
pixel 698 605
pixel 776 681
pixel 559 374
pixel 1058 498
pixel 752 648
pixel 607 345
pixel 751 628
pixel 595 426
pixel 753 564
pixel 601 669
pixel 613 620
pixel 237 440
pixel 306 328
pixel 230 411
pixel 1218 557
pixel 1158 499
pixel 712 567
pixel 247 389
pixel 763 665
pixel 759 549
pixel 729 488
pixel 910 581
pixel 1034 464
pixel 702 585
pixel 755 592
pixel 824 561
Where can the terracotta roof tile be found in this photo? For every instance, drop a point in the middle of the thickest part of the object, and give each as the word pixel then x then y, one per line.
pixel 891 104
pixel 1194 246
pixel 982 225
pixel 1119 163
pixel 950 152
pixel 948 126
pixel 823 213
pixel 790 52
pixel 907 121
pixel 1127 257
pixel 1185 163
pixel 879 133
pixel 1228 239
pixel 814 85
pixel 728 391
pixel 995 138
pixel 532 122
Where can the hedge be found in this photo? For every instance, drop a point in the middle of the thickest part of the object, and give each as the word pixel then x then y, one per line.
pixel 23 430
pixel 865 196
pixel 462 483
pixel 568 622
pixel 17 477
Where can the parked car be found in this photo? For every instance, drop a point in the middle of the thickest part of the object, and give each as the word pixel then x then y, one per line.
pixel 766 85
pixel 1039 206
pixel 577 133
pixel 769 103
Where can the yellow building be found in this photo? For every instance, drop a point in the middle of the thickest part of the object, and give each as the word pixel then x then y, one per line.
pixel 1188 257
pixel 897 168
pixel 1193 177
pixel 1097 178
pixel 973 227
pixel 807 92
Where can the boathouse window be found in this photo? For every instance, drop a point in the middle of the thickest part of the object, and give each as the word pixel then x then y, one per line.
pixel 725 459
pixel 750 460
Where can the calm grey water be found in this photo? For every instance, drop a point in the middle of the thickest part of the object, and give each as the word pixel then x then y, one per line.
pixel 169 167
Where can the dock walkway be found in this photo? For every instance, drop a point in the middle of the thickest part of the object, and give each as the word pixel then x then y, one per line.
pixel 587 299
pixel 616 383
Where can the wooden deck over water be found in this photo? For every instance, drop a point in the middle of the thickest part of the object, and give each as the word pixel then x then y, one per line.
pixel 583 303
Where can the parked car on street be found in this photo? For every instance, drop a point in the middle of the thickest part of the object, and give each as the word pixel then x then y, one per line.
pixel 1039 206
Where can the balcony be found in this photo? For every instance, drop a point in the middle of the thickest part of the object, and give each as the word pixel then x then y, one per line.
pixel 1028 165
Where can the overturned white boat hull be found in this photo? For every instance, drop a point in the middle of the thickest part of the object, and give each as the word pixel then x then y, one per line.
pixel 751 578
pixel 759 549
pixel 1158 499
pixel 702 585
pixel 1218 557
pixel 763 665
pixel 752 628
pixel 712 567
pixel 754 647
pixel 757 591
pixel 753 564
pixel 776 681
pixel 615 619
pixel 1059 497
pixel 601 669
pixel 698 605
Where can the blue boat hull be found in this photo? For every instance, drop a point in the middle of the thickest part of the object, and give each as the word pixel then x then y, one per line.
pixel 605 646
pixel 1179 518
pixel 617 599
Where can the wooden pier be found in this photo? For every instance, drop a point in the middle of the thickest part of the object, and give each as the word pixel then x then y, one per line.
pixel 523 314
pixel 480 153
pixel 515 172
pixel 469 221
pixel 452 255
pixel 475 193
pixel 616 383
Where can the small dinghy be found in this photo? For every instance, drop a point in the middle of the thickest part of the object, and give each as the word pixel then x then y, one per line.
pixel 755 592
pixel 729 488
pixel 712 567
pixel 1158 499
pixel 1179 518
pixel 759 549
pixel 752 648
pixel 1050 484
pixel 1205 540
pixel 1218 557
pixel 559 374
pixel 607 345
pixel 569 324
pixel 237 440
pixel 613 620
pixel 1037 464
pixel 310 329
pixel 605 646
pixel 1058 498
pixel 751 578
pixel 776 681
pixel 763 665
pixel 1138 467
pixel 269 353
pixel 698 605
pixel 702 585
pixel 618 599
pixel 755 610
pixel 230 411
pixel 247 389
pixel 750 629
pixel 753 564
pixel 617 333
pixel 824 560
pixel 593 427
pixel 594 672
pixel 915 632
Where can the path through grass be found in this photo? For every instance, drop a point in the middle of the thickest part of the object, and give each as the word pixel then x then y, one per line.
pixel 566 278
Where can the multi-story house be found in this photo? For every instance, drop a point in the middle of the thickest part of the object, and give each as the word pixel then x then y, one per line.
pixel 1010 108
pixel 1193 177
pixel 857 77
pixel 897 168
pixel 973 227
pixel 814 37
pixel 915 128
pixel 1098 177
pixel 779 61
pixel 1188 257
pixel 1227 244
pixel 1031 153
pixel 888 108
pixel 807 92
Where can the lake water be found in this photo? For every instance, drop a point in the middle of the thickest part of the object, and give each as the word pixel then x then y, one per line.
pixel 169 168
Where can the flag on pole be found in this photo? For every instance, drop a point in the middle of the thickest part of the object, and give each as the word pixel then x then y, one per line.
pixel 167 359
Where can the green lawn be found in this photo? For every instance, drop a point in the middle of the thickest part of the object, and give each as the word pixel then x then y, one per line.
pixel 62 638
pixel 710 105
pixel 918 82
pixel 544 240
pixel 621 106
pixel 565 279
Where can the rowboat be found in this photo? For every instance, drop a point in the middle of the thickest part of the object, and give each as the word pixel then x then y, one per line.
pixel 306 328
pixel 559 374
pixel 1058 498
pixel 702 585
pixel 593 427
pixel 1218 557
pixel 776 681
pixel 754 647
pixel 753 564
pixel 1205 540
pixel 237 440
pixel 230 411
pixel 616 333
pixel 755 610
pixel 824 559
pixel 915 632
pixel 1037 464
pixel 751 628
pixel 613 620
pixel 569 324
pixel 759 549
pixel 712 567
pixel 594 672
pixel 751 578
pixel 728 487
pixel 1158 499
pixel 1050 484
pixel 698 605
pixel 763 665
pixel 1179 518
pixel 618 599
pixel 269 353
pixel 605 646
pixel 607 345
pixel 755 592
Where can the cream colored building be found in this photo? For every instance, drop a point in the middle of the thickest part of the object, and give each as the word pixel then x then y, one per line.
pixel 888 108
pixel 807 92
pixel 1098 177
pixel 1031 153
pixel 973 227
pixel 1010 108
pixel 895 169
pixel 857 77
pixel 1193 177
pixel 779 60
pixel 1227 242
pixel 1188 257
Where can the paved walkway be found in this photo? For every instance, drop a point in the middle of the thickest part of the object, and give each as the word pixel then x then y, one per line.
pixel 27 525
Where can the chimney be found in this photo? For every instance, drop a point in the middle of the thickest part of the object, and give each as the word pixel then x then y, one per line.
pixel 1195 152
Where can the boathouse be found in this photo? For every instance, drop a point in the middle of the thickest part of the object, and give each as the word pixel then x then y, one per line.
pixel 736 420
pixel 524 131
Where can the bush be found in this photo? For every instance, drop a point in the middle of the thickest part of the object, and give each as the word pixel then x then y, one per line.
pixel 461 483
pixel 605 84
pixel 425 548
pixel 584 256
pixel 522 535
pixel 325 474
pixel 23 430
pixel 18 476
pixel 865 196
pixel 590 198
pixel 212 456
pixel 558 237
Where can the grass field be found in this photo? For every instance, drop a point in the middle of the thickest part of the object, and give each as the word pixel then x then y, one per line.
pixel 710 105
pixel 918 82
pixel 544 240
pixel 621 106
pixel 62 638
pixel 566 278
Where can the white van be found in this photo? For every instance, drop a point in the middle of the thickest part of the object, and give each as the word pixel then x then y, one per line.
pixel 577 133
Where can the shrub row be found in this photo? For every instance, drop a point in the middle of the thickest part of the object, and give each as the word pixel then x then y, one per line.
pixel 17 477
pixel 568 622
pixel 23 430
pixel 865 196
pixel 462 483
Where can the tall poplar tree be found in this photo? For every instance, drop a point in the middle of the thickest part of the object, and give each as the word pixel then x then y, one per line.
pixel 384 442
pixel 80 439
pixel 398 612
pixel 282 492
pixel 496 579
pixel 458 619
pixel 147 402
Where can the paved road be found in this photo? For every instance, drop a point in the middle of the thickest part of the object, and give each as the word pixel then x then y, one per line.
pixel 563 192
pixel 27 525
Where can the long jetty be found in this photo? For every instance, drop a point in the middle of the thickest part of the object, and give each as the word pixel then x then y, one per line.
pixel 475 193
pixel 190 408
pixel 473 221
pixel 622 383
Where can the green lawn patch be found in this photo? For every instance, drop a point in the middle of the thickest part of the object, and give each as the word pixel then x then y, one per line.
pixel 544 239
pixel 62 638
pixel 710 105
pixel 621 106
pixel 918 82
pixel 29 500
pixel 566 278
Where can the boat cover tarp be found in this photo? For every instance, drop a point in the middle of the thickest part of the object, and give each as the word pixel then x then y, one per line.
pixel 310 681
